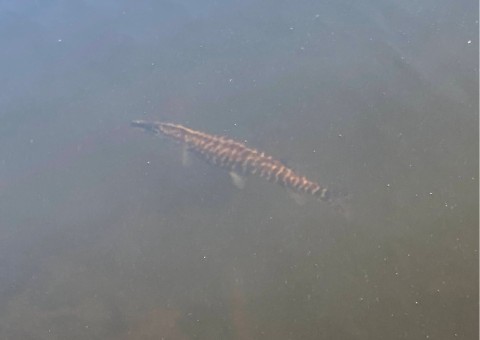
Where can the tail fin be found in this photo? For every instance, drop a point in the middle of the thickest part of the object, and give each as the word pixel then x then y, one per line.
pixel 341 202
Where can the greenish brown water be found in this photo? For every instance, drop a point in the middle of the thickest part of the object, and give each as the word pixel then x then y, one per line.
pixel 105 235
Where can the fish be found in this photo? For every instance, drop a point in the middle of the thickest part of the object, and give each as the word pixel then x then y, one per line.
pixel 236 157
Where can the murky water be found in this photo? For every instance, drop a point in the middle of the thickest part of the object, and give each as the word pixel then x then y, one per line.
pixel 105 235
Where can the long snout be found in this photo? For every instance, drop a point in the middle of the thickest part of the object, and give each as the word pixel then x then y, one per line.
pixel 145 125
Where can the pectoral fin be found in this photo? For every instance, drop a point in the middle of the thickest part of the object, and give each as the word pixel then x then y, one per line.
pixel 186 156
pixel 299 199
pixel 238 180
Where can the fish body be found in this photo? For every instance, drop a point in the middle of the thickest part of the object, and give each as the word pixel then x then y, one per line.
pixel 235 157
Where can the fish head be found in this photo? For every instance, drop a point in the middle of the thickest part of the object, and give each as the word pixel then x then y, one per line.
pixel 151 127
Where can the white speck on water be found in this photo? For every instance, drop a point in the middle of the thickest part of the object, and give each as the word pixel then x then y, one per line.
pixel 388 185
pixel 469 42
pixel 291 28
pixel 430 193
pixel 230 80
pixel 59 40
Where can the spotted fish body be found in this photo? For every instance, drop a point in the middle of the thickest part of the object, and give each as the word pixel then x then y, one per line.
pixel 235 157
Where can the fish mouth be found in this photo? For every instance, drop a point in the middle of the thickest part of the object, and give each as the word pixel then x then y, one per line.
pixel 144 125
